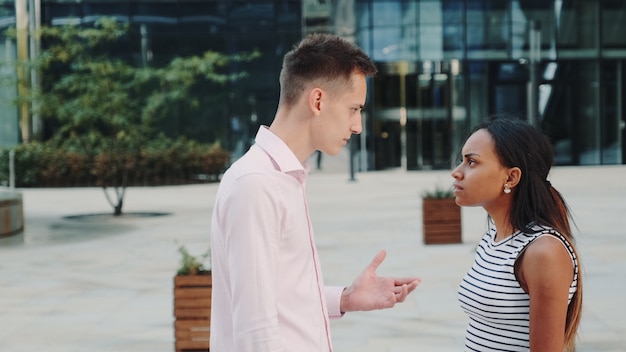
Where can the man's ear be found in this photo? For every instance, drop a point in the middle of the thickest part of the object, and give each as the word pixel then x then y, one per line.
pixel 514 176
pixel 315 100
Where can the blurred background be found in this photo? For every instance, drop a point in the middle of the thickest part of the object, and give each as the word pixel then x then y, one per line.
pixel 444 66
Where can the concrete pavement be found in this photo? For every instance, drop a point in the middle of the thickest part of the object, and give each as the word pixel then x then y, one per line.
pixel 96 283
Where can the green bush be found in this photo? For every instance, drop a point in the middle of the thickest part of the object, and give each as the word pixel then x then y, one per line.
pixel 438 193
pixel 161 161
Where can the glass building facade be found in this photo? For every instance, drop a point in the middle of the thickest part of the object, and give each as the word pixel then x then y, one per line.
pixel 444 66
pixel 9 126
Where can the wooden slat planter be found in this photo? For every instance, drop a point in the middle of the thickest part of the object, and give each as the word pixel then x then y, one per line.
pixel 11 213
pixel 442 221
pixel 192 310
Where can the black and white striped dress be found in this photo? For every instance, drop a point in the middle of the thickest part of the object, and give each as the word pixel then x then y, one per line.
pixel 497 306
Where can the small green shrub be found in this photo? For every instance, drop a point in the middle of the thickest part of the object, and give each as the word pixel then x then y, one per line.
pixel 161 161
pixel 192 265
pixel 438 193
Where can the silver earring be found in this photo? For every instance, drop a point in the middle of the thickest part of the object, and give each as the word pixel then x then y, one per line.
pixel 507 190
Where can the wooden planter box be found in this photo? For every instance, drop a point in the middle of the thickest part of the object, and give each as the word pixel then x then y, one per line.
pixel 442 221
pixel 192 310
pixel 11 213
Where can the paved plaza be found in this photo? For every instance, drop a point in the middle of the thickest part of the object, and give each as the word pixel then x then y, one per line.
pixel 97 283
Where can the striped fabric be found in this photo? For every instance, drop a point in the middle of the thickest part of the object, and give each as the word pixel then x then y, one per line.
pixel 497 306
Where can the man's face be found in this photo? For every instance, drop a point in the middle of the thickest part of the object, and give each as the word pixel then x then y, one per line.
pixel 340 117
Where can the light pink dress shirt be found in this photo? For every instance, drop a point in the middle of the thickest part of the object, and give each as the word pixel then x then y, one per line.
pixel 268 291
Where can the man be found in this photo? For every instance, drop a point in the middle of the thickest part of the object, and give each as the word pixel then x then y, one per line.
pixel 268 290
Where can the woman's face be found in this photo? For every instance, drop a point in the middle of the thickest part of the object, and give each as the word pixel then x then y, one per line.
pixel 480 178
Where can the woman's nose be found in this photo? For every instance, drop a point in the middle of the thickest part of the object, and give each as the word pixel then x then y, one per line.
pixel 456 174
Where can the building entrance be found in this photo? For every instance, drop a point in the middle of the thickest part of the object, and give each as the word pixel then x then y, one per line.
pixel 416 107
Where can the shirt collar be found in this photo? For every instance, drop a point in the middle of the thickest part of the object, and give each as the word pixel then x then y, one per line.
pixel 283 157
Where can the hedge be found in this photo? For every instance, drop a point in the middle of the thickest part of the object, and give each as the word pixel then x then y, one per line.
pixel 159 162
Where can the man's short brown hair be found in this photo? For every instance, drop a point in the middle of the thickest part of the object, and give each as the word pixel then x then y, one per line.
pixel 326 59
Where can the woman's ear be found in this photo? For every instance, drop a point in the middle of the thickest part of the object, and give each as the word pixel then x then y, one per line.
pixel 514 176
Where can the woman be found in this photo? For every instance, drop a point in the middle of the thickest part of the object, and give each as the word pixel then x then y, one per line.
pixel 523 291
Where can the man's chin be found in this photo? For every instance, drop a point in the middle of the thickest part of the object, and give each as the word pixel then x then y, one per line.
pixel 333 152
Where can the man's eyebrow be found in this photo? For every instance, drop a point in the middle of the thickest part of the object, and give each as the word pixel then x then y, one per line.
pixel 468 155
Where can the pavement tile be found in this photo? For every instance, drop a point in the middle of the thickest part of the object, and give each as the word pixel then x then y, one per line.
pixel 105 284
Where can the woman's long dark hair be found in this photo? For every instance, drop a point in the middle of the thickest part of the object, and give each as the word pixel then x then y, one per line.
pixel 536 201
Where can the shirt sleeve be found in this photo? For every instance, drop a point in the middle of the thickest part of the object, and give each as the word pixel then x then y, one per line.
pixel 251 226
pixel 333 301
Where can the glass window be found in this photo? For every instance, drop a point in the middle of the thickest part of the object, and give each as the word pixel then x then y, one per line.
pixel 477 88
pixel 430 40
pixel 577 27
pixel 459 108
pixel 387 91
pixel 611 107
pixel 120 11
pixel 393 30
pixel 613 24
pixel 453 26
pixel 488 24
pixel 60 14
pixel 198 19
pixel 162 30
pixel 9 128
pixel 7 15
pixel 571 114
pixel 157 24
pixel 543 13
pixel 386 13
pixel 387 44
pixel 588 111
pixel 7 20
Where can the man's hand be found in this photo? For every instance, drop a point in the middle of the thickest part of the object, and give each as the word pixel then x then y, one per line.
pixel 370 292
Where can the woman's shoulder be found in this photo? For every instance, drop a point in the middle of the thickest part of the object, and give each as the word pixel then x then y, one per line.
pixel 538 230
pixel 547 238
pixel 524 238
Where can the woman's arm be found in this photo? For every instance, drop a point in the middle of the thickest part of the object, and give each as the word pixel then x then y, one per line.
pixel 545 271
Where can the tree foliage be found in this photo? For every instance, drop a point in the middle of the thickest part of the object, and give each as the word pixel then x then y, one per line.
pixel 98 99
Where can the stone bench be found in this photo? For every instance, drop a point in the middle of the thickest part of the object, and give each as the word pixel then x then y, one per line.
pixel 11 213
